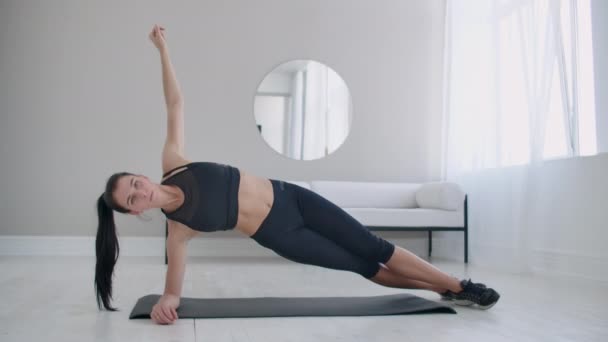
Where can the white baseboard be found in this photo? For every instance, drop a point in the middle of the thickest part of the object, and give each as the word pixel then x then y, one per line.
pixel 129 246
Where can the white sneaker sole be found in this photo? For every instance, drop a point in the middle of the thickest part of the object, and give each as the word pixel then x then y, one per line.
pixel 463 302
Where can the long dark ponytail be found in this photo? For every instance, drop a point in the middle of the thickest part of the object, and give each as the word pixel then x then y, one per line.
pixel 106 243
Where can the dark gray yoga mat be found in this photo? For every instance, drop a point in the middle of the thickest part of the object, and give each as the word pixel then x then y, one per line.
pixel 397 304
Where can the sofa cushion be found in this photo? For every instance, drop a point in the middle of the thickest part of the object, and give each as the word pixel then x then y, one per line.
pixel 440 195
pixel 367 194
pixel 407 217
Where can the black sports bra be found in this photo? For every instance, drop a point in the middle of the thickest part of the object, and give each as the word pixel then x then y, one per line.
pixel 210 196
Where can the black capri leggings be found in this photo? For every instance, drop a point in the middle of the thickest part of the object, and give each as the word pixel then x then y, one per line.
pixel 305 227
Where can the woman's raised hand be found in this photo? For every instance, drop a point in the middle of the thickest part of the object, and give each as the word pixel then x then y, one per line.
pixel 157 36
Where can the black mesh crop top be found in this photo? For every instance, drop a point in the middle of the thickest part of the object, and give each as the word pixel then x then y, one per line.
pixel 211 196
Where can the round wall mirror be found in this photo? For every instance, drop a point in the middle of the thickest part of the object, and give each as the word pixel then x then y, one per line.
pixel 303 110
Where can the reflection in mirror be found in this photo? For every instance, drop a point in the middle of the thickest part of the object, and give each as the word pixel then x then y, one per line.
pixel 303 110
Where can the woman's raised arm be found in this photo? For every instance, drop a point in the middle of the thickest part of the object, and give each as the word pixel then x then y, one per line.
pixel 173 151
pixel 171 89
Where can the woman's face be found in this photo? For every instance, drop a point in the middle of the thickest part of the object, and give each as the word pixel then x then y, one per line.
pixel 135 193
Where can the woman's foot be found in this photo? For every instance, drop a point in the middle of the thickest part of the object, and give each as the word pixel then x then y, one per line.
pixel 473 294
pixel 447 295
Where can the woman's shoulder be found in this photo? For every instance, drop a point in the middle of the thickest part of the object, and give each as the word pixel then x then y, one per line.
pixel 172 158
pixel 174 164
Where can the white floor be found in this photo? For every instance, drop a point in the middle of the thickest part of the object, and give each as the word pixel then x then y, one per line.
pixel 51 299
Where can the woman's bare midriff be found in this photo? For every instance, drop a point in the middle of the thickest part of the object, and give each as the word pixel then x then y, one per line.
pixel 255 200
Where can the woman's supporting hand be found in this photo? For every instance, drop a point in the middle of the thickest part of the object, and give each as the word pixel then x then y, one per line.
pixel 157 36
pixel 165 310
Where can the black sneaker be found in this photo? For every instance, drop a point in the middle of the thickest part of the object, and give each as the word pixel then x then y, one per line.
pixel 477 295
pixel 449 295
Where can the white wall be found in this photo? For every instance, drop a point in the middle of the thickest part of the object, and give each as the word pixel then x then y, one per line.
pixel 81 95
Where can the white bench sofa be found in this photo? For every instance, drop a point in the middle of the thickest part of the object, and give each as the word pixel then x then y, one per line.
pixel 385 206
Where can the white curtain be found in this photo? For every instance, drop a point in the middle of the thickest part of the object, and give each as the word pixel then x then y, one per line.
pixel 509 75
pixel 510 100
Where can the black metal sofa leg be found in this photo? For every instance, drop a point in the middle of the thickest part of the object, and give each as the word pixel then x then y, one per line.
pixel 430 242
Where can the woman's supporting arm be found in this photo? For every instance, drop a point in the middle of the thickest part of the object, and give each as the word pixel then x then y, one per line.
pixel 165 310
pixel 176 253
